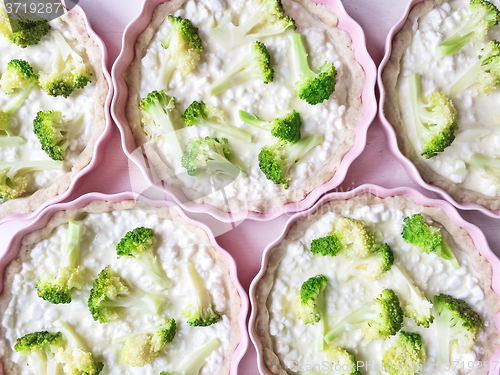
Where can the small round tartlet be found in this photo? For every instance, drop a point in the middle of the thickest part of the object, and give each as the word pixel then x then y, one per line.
pixel 336 119
pixel 287 345
pixel 458 173
pixel 85 109
pixel 180 247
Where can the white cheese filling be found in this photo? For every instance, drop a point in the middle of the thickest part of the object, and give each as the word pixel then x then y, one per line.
pixel 80 102
pixel 267 101
pixel 479 114
pixel 296 343
pixel 176 246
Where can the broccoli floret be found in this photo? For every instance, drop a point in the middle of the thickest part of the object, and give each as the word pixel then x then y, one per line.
pixel 213 154
pixel 286 128
pixel 54 133
pixel 193 363
pixel 109 294
pixel 184 47
pixel 17 81
pixel 139 244
pixel 485 73
pixel 371 267
pixel 255 65
pixel 484 15
pixel 350 238
pixel 144 347
pixel 338 356
pixel 329 245
pixel 378 319
pixel 310 304
pixel 406 355
pixel 416 306
pixel 68 71
pixel 310 301
pixel 40 347
pixel 18 76
pixel 435 120
pixel 276 159
pixel 76 357
pixel 13 179
pixel 200 114
pixel 58 289
pixel 200 312
pixel 427 238
pixel 267 20
pixel 6 136
pixel 22 31
pixel 457 326
pixel 489 168
pixel 313 87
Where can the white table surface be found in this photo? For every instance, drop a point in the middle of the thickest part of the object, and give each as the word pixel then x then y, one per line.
pixel 247 241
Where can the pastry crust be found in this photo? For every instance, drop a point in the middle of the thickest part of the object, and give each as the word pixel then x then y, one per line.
pixel 61 184
pixel 353 115
pixel 392 113
pixel 61 218
pixel 459 235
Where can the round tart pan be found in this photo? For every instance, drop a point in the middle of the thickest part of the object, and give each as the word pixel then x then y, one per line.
pixel 442 208
pixel 44 217
pixel 397 144
pixel 27 212
pixel 118 105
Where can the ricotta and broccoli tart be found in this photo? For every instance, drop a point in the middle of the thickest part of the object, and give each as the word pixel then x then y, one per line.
pixel 52 96
pixel 442 94
pixel 116 290
pixel 244 105
pixel 376 286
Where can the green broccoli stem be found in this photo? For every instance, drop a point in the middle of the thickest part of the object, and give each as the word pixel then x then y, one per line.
pixel 168 131
pixel 468 79
pixel 453 45
pixel 417 106
pixel 295 152
pixel 443 338
pixel 324 321
pixel 29 166
pixel 367 312
pixel 136 301
pixel 254 120
pixel 149 330
pixel 9 140
pixel 444 251
pixel 166 70
pixel 70 334
pixel 228 129
pixel 222 165
pixel 194 363
pixel 154 270
pixel 16 100
pixel 301 66
pixel 72 243
pixel 237 75
pixel 233 77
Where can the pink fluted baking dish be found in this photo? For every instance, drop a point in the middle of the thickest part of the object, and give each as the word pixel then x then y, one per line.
pixel 98 151
pixel 475 233
pixel 44 217
pixel 409 167
pixel 119 102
